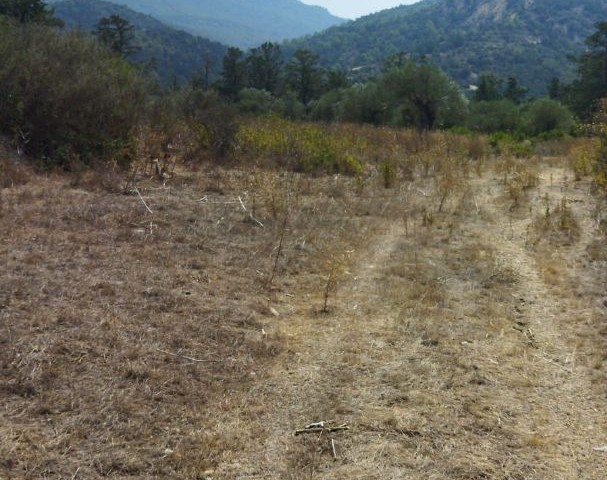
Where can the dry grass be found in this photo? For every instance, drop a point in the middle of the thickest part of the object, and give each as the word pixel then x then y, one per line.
pixel 153 345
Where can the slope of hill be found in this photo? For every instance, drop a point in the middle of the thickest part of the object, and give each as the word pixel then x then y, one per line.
pixel 174 55
pixel 530 39
pixel 242 23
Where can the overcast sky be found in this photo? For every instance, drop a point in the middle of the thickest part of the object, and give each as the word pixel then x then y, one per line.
pixel 356 8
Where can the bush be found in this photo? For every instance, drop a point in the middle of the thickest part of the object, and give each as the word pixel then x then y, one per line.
pixel 212 120
pixel 302 147
pixel 510 144
pixel 254 101
pixel 362 104
pixel 548 118
pixel 325 108
pixel 494 116
pixel 64 98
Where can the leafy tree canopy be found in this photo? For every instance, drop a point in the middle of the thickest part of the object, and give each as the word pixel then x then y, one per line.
pixel 117 35
pixel 28 11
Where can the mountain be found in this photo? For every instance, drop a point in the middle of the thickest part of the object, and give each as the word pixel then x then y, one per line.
pixel 242 23
pixel 530 39
pixel 173 55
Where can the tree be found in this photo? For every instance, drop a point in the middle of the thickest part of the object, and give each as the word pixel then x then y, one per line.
pixel 304 75
pixel 69 97
pixel 234 73
pixel 264 65
pixel 545 115
pixel 514 91
pixel 212 120
pixel 554 88
pixel 363 104
pixel 255 101
pixel 117 35
pixel 28 11
pixel 494 116
pixel 583 95
pixel 489 88
pixel 423 96
pixel 336 79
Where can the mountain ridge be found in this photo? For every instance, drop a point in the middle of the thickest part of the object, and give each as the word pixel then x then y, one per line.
pixel 175 56
pixel 238 22
pixel 530 39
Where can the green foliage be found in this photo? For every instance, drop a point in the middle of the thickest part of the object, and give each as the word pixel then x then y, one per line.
pixel 299 146
pixel 171 55
pixel 28 11
pixel 514 91
pixel 65 98
pixel 510 144
pixel 423 96
pixel 600 130
pixel 489 88
pixel 264 65
pixel 116 33
pixel 256 102
pixel 494 116
pixel 289 106
pixel 241 23
pixel 530 40
pixel 584 94
pixel 325 108
pixel 304 76
pixel 388 173
pixel 555 88
pixel 414 94
pixel 234 73
pixel 212 121
pixel 544 115
pixel 362 104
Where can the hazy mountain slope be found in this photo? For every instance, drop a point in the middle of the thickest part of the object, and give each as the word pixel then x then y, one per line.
pixel 174 55
pixel 527 38
pixel 243 23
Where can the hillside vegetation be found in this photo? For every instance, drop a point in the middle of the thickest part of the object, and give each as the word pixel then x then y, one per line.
pixel 173 55
pixel 240 23
pixel 467 38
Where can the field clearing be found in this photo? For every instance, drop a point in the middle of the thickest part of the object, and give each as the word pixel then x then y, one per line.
pixel 447 305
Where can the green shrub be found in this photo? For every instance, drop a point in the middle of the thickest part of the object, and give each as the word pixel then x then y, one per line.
pixel 494 116
pixel 64 98
pixel 511 144
pixel 548 118
pixel 299 146
pixel 212 120
pixel 325 108
pixel 388 173
pixel 254 101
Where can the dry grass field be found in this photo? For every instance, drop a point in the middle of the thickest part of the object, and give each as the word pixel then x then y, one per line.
pixel 445 304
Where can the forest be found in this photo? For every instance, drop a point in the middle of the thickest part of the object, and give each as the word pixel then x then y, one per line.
pixel 115 93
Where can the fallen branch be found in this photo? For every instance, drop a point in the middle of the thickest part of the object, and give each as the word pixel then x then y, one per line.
pixel 321 427
pixel 136 190
pixel 250 214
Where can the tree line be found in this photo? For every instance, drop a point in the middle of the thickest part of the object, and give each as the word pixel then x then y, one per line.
pixel 72 96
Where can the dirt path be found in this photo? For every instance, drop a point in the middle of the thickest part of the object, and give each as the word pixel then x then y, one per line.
pixel 449 358
pixel 564 411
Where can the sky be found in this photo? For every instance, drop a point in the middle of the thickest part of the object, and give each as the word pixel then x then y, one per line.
pixel 356 8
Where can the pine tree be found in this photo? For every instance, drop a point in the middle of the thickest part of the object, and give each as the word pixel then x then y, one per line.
pixel 117 35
